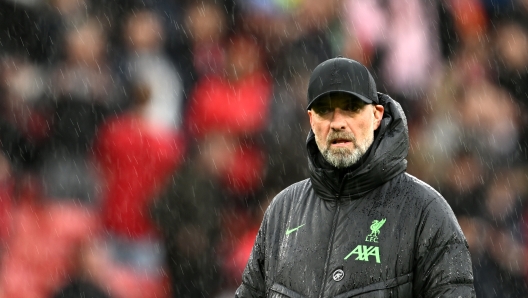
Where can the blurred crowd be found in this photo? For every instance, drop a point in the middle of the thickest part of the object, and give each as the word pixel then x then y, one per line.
pixel 143 139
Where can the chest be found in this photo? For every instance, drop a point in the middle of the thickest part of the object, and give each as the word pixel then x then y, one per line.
pixel 342 247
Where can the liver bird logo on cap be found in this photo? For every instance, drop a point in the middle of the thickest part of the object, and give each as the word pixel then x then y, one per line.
pixel 334 76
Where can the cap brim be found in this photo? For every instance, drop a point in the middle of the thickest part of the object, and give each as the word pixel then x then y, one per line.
pixel 359 96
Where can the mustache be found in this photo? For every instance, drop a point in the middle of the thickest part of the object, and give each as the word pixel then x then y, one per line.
pixel 340 135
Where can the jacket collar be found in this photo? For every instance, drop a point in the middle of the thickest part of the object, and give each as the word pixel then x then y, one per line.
pixel 384 160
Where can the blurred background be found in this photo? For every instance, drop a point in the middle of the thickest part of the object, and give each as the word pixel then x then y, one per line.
pixel 143 139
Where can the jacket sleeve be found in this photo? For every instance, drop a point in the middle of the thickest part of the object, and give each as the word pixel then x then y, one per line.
pixel 254 276
pixel 443 264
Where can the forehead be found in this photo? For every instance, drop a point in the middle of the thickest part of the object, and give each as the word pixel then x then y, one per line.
pixel 335 99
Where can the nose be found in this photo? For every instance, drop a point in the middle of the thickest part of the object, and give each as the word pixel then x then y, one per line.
pixel 338 121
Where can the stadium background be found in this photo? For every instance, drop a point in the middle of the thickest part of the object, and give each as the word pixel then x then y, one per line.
pixel 142 140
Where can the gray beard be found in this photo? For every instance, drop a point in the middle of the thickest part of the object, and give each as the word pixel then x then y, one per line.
pixel 343 157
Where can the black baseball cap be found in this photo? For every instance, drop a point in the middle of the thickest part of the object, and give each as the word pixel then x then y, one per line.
pixel 342 75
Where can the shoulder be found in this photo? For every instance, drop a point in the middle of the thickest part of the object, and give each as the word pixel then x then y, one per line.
pixel 292 194
pixel 290 197
pixel 435 212
pixel 419 191
pixel 424 199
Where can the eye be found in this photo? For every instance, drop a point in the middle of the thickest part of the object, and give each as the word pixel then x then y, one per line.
pixel 322 110
pixel 354 106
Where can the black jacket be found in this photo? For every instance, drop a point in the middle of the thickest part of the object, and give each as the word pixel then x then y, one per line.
pixel 373 231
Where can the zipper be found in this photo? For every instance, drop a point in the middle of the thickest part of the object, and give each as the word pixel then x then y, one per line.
pixel 331 246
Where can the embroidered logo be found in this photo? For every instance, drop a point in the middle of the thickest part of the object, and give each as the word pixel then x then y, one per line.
pixel 375 230
pixel 289 231
pixel 363 253
pixel 334 77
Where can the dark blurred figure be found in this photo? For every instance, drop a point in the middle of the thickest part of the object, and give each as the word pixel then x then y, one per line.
pixel 25 123
pixel 35 28
pixel 81 289
pixel 207 26
pixel 232 98
pixel 288 127
pixel 519 12
pixel 305 28
pixel 495 238
pixel 282 24
pixel 85 72
pixel 83 90
pixel 490 122
pixel 511 58
pixel 464 184
pixel 188 213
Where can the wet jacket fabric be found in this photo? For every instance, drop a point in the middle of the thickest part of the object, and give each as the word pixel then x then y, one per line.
pixel 373 231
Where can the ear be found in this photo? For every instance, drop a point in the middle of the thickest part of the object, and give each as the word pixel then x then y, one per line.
pixel 378 115
pixel 310 115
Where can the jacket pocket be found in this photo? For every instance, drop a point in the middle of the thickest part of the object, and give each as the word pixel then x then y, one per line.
pixel 280 291
pixel 400 286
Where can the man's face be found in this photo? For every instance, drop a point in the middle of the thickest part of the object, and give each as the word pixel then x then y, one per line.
pixel 344 127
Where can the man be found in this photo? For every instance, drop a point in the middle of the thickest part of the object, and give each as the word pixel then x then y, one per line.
pixel 359 226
